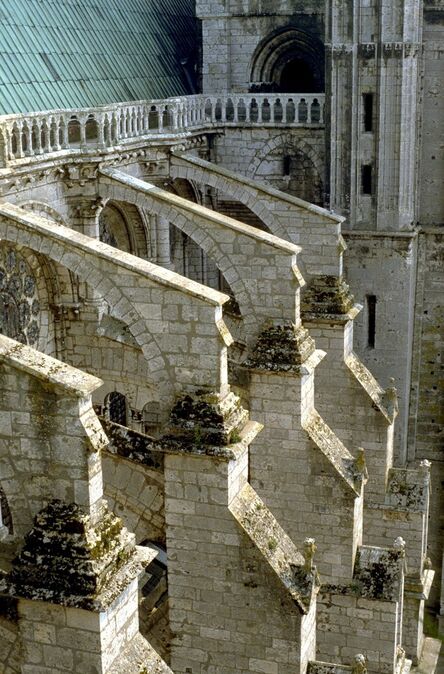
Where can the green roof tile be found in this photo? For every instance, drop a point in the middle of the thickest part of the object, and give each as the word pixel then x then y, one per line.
pixel 80 53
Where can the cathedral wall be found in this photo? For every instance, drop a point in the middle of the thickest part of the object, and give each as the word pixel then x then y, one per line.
pixel 230 42
pixel 60 639
pixel 431 206
pixel 136 494
pixel 427 405
pixel 121 366
pixel 10 643
pixel 347 625
pixel 43 193
pixel 231 613
pixel 259 154
pixel 384 267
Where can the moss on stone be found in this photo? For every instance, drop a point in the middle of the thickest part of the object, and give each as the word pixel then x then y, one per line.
pixel 327 295
pixel 65 554
pixel 281 348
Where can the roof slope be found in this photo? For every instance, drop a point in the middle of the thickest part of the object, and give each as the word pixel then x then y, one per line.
pixel 84 53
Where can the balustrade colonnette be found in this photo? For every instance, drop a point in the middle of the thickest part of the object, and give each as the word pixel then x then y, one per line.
pixel 108 126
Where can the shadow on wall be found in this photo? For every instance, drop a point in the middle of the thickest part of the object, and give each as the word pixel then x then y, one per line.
pixel 288 60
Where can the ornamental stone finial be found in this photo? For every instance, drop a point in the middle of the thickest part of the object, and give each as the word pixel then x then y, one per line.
pixel 390 399
pixel 399 544
pixel 309 553
pixel 425 465
pixel 359 665
pixel 361 465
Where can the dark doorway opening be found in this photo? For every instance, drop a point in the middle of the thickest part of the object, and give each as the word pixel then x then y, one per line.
pixel 297 77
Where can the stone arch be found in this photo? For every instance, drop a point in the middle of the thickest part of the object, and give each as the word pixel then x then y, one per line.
pixel 188 257
pixel 198 235
pixel 245 196
pixel 289 54
pixel 122 226
pixel 135 493
pixel 185 188
pixel 302 177
pixel 43 209
pixel 120 306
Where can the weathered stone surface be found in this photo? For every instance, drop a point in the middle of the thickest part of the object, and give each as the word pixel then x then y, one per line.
pixel 281 348
pixel 327 296
pixel 66 559
pixel 139 245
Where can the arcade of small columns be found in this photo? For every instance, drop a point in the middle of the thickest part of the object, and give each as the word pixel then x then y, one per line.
pixel 292 540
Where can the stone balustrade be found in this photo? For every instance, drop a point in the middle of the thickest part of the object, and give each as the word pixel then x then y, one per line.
pixel 43 133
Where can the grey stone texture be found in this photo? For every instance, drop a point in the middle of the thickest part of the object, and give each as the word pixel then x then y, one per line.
pixel 256 277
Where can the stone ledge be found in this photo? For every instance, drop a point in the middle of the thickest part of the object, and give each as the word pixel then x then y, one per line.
pixel 139 658
pixel 193 209
pixel 428 663
pixel 260 187
pixel 143 268
pixel 419 588
pixel 335 452
pixel 145 450
pixel 371 386
pixel 68 379
pixel 133 445
pixel 277 549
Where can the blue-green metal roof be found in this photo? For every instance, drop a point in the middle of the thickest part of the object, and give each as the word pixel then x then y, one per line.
pixel 83 53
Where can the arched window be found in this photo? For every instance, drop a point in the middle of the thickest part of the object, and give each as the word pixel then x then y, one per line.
pixel 5 516
pixel 289 60
pixel 117 408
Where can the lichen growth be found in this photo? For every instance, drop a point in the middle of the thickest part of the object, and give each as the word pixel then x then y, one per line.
pixel 65 554
pixel 281 348
pixel 272 544
pixel 327 295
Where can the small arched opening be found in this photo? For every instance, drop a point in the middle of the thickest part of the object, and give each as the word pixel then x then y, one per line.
pixel 121 225
pixel 6 524
pixel 289 61
pixel 91 129
pixel 117 408
pixel 73 132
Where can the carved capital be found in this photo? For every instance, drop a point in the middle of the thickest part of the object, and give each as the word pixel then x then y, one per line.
pixel 411 49
pixel 393 50
pixel 80 174
pixel 367 50
pixel 88 208
pixel 341 50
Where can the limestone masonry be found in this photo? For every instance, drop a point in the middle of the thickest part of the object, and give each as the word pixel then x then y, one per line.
pixel 221 348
